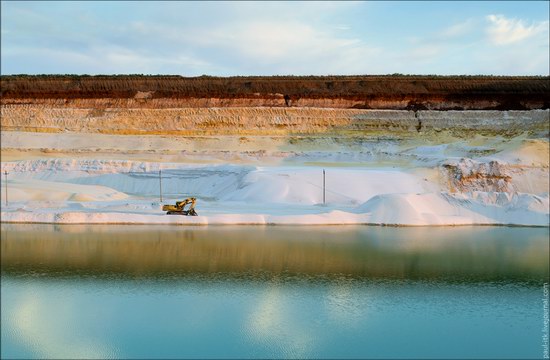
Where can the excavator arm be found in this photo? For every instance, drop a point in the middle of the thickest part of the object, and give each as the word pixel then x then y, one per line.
pixel 179 208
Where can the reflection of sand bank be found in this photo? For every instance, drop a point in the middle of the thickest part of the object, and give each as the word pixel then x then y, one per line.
pixel 354 251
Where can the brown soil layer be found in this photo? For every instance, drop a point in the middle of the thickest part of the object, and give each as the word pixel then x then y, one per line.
pixel 360 92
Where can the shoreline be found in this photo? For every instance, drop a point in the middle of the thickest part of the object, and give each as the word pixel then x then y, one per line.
pixel 279 224
pixel 305 220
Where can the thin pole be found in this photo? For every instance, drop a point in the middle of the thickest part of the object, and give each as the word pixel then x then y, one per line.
pixel 160 184
pixel 6 175
pixel 323 186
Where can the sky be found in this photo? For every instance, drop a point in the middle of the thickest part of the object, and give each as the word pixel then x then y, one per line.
pixel 275 38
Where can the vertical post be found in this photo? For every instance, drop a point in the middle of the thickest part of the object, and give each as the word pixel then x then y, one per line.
pixel 6 177
pixel 160 185
pixel 323 186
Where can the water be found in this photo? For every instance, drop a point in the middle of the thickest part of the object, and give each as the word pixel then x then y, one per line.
pixel 272 292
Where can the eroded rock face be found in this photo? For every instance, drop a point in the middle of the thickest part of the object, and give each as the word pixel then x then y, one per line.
pixel 115 119
pixel 467 175
pixel 370 105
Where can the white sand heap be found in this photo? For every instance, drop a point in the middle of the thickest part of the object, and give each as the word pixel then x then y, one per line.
pixel 93 191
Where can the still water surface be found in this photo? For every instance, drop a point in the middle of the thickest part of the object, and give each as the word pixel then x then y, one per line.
pixel 272 292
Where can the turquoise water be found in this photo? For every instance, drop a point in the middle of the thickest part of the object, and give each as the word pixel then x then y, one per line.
pixel 272 292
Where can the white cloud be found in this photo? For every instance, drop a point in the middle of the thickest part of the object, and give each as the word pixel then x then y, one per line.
pixel 283 46
pixel 109 60
pixel 121 58
pixel 458 29
pixel 504 31
pixel 276 41
pixel 271 38
pixel 342 27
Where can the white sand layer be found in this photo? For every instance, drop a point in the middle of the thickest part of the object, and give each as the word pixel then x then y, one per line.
pixel 445 180
pixel 233 194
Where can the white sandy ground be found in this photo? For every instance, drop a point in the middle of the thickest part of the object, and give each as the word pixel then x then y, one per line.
pixel 386 183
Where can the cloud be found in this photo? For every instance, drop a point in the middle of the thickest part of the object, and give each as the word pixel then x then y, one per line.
pixel 271 38
pixel 236 39
pixel 458 29
pixel 282 46
pixel 104 60
pixel 504 31
pixel 278 41
pixel 465 48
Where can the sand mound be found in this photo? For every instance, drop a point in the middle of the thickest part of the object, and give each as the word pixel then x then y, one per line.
pixel 453 209
pixel 39 190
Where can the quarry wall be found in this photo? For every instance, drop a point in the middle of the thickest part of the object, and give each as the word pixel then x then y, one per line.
pixel 261 120
pixel 133 104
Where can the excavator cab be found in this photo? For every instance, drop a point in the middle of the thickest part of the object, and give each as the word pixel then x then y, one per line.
pixel 179 208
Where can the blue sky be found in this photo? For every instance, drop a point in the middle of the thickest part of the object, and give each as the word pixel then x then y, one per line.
pixel 275 38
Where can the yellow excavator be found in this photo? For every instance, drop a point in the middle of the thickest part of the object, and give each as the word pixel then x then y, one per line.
pixel 179 208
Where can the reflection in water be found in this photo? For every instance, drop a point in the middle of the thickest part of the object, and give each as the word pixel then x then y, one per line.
pixel 342 303
pixel 34 319
pixel 271 292
pixel 269 324
pixel 462 253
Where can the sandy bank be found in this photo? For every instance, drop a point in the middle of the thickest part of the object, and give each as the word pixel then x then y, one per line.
pixel 127 192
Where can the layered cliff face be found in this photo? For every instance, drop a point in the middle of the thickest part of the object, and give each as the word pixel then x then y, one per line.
pixel 370 105
pixel 412 150
pixel 262 120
